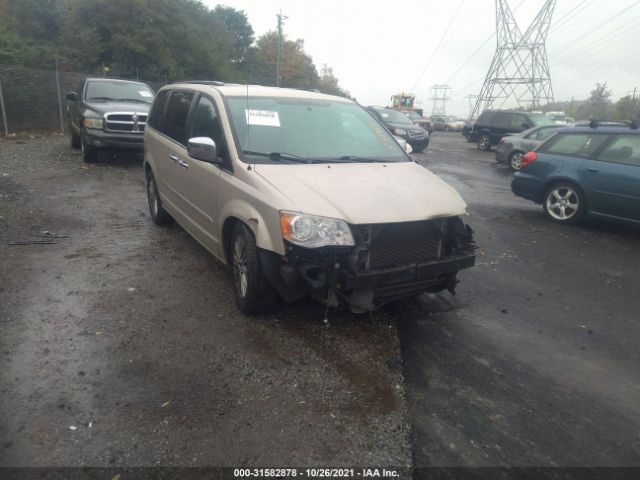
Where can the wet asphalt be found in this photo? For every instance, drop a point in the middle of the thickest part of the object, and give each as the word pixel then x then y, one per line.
pixel 128 333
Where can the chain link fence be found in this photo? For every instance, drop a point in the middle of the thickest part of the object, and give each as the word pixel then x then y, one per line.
pixel 33 99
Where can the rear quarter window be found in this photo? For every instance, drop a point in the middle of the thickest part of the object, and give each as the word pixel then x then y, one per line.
pixel 625 150
pixel 579 144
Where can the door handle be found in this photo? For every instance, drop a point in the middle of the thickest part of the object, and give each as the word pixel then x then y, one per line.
pixel 183 164
pixel 173 157
pixel 593 170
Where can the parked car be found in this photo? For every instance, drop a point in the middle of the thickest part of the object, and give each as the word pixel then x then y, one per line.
pixel 302 194
pixel 400 125
pixel 491 126
pixel 419 120
pixel 466 131
pixel 107 114
pixel 584 171
pixel 512 147
pixel 447 123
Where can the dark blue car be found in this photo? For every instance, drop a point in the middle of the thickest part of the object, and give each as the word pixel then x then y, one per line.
pixel 584 171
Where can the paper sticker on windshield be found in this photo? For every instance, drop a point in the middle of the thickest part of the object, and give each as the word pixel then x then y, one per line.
pixel 144 93
pixel 265 118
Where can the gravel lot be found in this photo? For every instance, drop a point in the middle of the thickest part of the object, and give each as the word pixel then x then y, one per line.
pixel 129 333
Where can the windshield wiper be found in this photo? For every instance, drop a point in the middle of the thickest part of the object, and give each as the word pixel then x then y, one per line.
pixel 278 156
pixel 132 100
pixel 106 99
pixel 349 159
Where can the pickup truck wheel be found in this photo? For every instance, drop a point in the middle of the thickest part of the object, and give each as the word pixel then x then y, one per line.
pixel 254 295
pixel 564 203
pixel 158 214
pixel 484 143
pixel 89 153
pixel 74 138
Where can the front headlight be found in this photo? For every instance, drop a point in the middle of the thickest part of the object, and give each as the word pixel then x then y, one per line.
pixel 312 232
pixel 399 131
pixel 94 123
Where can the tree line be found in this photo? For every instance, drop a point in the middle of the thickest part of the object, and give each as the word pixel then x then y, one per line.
pixel 161 40
pixel 599 106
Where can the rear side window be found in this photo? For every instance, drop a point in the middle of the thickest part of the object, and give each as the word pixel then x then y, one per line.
pixel 175 122
pixel 157 110
pixel 625 149
pixel 485 118
pixel 580 144
pixel 542 133
pixel 503 120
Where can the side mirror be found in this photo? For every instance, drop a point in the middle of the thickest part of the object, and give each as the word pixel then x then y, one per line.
pixel 203 148
pixel 72 96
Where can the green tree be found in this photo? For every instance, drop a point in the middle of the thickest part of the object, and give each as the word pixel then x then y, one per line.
pixel 626 108
pixel 159 38
pixel 600 102
pixel 237 23
pixel 328 83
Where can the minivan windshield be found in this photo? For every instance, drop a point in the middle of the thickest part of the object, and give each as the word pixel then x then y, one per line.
pixel 303 130
pixel 110 91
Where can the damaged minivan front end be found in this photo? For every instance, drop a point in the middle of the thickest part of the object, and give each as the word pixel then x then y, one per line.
pixel 364 266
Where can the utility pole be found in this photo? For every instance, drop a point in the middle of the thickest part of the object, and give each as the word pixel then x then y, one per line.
pixel 281 19
pixel 440 98
pixel 520 69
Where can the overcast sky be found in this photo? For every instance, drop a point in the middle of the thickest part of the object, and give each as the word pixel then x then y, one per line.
pixel 380 48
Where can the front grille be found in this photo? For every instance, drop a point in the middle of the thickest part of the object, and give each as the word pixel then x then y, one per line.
pixel 398 244
pixel 131 122
pixel 416 134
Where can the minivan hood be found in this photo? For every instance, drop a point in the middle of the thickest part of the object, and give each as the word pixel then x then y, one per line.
pixel 363 193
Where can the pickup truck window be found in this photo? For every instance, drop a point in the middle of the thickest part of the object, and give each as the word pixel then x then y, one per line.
pixel 114 91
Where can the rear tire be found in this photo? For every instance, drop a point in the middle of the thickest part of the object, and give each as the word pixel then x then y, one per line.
pixel 484 143
pixel 564 203
pixel 158 214
pixel 515 160
pixel 253 293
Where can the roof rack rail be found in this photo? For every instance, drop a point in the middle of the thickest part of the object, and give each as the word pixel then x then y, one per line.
pixel 204 82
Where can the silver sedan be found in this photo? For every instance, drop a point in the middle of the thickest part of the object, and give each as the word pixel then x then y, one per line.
pixel 512 147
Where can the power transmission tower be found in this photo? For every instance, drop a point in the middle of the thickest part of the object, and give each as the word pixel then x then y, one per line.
pixel 281 19
pixel 440 98
pixel 519 71
pixel 472 101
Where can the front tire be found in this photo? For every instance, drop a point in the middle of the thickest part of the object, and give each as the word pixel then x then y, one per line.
pixel 253 294
pixel 74 138
pixel 564 203
pixel 89 153
pixel 484 143
pixel 158 214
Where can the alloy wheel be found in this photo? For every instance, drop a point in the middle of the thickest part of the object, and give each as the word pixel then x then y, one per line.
pixel 562 203
pixel 240 270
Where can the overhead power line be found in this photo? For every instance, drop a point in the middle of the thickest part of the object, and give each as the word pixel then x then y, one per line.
pixel 442 38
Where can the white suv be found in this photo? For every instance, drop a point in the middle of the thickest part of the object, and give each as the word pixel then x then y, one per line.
pixel 303 194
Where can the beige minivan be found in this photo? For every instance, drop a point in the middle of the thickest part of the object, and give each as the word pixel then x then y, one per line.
pixel 303 194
